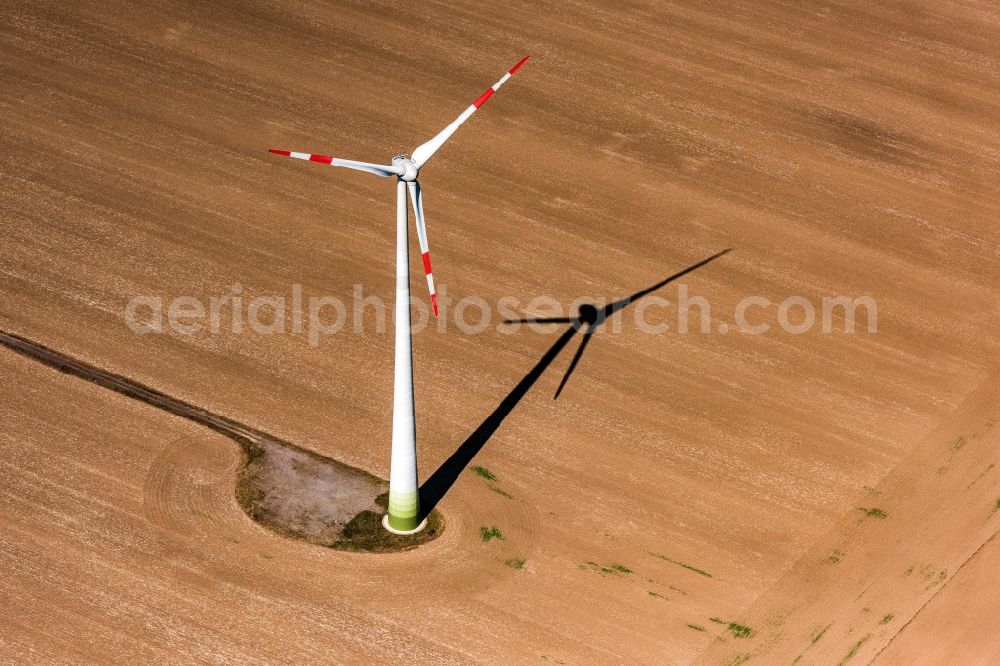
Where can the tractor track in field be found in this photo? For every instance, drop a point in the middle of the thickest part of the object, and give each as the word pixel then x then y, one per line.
pixel 284 487
pixel 132 389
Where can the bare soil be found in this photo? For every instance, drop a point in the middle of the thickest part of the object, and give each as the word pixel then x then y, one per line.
pixel 843 148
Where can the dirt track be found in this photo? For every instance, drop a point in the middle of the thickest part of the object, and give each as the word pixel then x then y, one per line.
pixel 840 149
pixel 294 491
pixel 126 387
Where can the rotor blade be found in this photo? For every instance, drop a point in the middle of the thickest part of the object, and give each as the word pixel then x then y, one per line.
pixel 424 151
pixel 576 359
pixel 417 197
pixel 377 169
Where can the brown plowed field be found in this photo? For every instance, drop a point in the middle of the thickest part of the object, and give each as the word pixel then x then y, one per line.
pixel 689 498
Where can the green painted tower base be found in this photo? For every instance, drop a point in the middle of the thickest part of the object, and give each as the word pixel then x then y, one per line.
pixel 386 523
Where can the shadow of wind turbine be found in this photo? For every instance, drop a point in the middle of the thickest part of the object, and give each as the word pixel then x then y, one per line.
pixel 589 317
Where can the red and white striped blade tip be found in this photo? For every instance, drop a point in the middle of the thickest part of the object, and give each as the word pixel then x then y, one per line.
pixel 322 159
pixel 434 304
pixel 496 86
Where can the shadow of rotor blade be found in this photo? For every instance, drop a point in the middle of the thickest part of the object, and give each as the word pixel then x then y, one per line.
pixel 550 320
pixel 576 359
pixel 614 307
pixel 435 487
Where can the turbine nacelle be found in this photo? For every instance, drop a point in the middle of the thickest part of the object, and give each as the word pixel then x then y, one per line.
pixel 408 168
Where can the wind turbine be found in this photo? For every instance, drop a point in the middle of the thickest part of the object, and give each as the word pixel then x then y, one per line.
pixel 404 501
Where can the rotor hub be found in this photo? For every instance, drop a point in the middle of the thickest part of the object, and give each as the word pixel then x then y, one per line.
pixel 410 168
pixel 589 314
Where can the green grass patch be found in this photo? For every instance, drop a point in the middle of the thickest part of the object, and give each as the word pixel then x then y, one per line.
pixel 835 557
pixel 499 491
pixel 515 563
pixel 487 534
pixel 483 472
pixel 819 634
pixel 656 594
pixel 959 443
pixel 854 649
pixel 700 572
pixel 613 569
pixel 696 627
pixel 942 576
pixel 737 630
pixel 996 507
pixel 887 619
pixel 740 630
pixel 981 475
pixel 365 533
pixel 873 512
